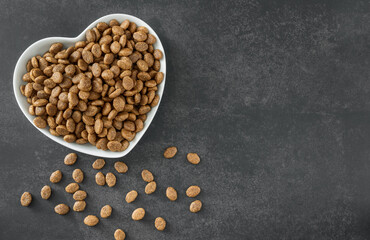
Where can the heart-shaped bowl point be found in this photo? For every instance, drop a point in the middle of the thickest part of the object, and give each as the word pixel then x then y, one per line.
pixel 43 45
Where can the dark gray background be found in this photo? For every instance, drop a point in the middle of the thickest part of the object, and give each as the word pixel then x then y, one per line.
pixel 273 95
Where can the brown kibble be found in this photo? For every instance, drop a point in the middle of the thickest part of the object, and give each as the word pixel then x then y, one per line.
pixel 70 159
pixel 100 179
pixel 147 176
pixel 121 167
pixel 195 206
pixel 78 175
pixel 110 178
pixel 170 152
pixel 131 196
pixel 150 187
pixel 171 193
pixel 193 158
pixel 79 195
pixel 61 209
pixel 138 214
pixel 72 188
pixel 160 223
pixel 106 211
pixel 119 234
pixel 114 146
pixel 98 164
pixel 56 176
pixel 157 54
pixel 79 206
pixel 91 220
pixel 39 122
pixel 26 199
pixel 193 191
pixel 45 192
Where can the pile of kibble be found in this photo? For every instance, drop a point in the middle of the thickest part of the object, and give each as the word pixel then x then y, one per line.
pixel 110 179
pixel 98 91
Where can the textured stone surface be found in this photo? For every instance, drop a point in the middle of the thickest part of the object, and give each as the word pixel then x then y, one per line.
pixel 273 95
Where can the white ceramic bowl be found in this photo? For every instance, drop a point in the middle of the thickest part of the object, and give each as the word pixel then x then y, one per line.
pixel 41 46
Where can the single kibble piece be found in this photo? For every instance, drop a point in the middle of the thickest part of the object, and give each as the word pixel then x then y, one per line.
pixel 195 206
pixel 171 193
pixel 78 175
pixel 61 209
pixel 56 176
pixel 26 199
pixel 106 211
pixel 119 234
pixel 79 195
pixel 131 196
pixel 160 223
pixel 150 187
pixel 70 159
pixel 193 158
pixel 45 192
pixel 170 152
pixel 147 176
pixel 91 220
pixel 72 188
pixel 120 167
pixel 100 179
pixel 193 191
pixel 98 164
pixel 79 206
pixel 110 178
pixel 138 214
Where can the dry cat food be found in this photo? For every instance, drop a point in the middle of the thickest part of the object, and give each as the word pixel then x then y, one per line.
pixel 138 214
pixel 91 220
pixel 26 199
pixel 106 211
pixel 110 178
pixel 195 206
pixel 78 175
pixel 170 152
pixel 100 179
pixel 119 234
pixel 79 195
pixel 45 192
pixel 98 91
pixel 79 206
pixel 193 191
pixel 98 164
pixel 147 176
pixel 70 159
pixel 171 193
pixel 160 223
pixel 193 158
pixel 72 188
pixel 150 187
pixel 61 209
pixel 56 176
pixel 131 196
pixel 121 167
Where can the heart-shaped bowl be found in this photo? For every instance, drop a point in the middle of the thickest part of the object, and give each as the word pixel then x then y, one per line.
pixel 43 45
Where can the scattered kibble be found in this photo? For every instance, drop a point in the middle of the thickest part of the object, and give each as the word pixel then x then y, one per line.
pixel 26 199
pixel 79 206
pixel 79 195
pixel 171 193
pixel 78 175
pixel 147 176
pixel 72 187
pixel 131 196
pixel 195 206
pixel 70 159
pixel 91 220
pixel 120 167
pixel 106 211
pixel 193 191
pixel 150 187
pixel 170 152
pixel 56 176
pixel 193 158
pixel 98 164
pixel 61 209
pixel 110 178
pixel 138 214
pixel 119 234
pixel 100 179
pixel 45 192
pixel 160 223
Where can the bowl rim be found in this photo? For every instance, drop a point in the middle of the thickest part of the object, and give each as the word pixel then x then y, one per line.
pixel 20 70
